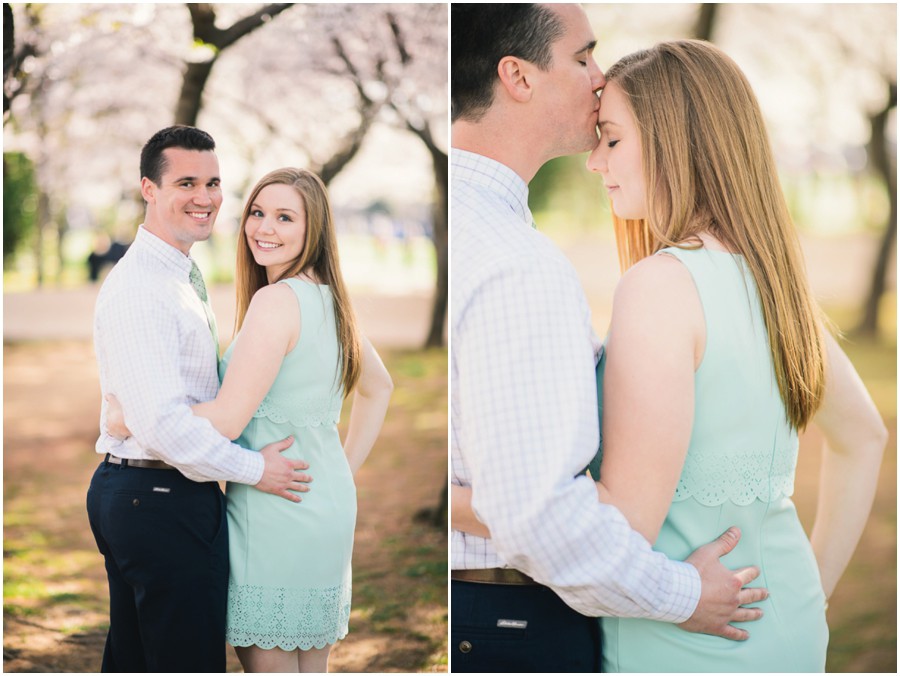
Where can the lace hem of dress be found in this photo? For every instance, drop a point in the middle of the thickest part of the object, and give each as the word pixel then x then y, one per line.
pixel 301 412
pixel 287 618
pixel 713 479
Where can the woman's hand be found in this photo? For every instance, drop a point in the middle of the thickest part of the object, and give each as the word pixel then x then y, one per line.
pixel 462 516
pixel 115 419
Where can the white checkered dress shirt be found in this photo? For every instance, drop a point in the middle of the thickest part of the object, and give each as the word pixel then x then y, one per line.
pixel 524 416
pixel 155 353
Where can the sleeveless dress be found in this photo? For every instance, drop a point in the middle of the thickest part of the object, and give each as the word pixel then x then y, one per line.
pixel 289 585
pixel 739 471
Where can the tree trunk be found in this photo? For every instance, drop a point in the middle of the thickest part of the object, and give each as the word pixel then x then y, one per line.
pixel 62 229
pixel 436 516
pixel 43 224
pixel 440 239
pixel 191 98
pixel 887 171
pixel 9 44
pixel 203 19
pixel 706 22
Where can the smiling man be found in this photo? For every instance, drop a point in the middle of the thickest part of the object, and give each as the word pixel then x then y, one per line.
pixel 154 504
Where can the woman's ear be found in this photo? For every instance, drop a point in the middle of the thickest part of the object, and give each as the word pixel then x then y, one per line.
pixel 515 78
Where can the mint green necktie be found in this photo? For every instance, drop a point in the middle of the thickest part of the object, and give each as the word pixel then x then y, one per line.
pixel 200 289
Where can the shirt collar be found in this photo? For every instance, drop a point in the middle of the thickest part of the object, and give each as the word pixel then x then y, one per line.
pixel 470 167
pixel 163 253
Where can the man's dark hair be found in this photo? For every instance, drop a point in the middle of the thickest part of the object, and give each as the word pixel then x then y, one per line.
pixel 153 162
pixel 481 35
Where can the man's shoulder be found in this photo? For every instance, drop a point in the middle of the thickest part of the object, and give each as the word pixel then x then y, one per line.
pixel 134 279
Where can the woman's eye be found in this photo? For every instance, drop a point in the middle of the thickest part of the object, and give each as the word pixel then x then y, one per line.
pixel 612 144
pixel 256 213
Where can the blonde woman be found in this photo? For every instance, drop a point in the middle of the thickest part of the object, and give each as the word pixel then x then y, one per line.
pixel 297 353
pixel 716 357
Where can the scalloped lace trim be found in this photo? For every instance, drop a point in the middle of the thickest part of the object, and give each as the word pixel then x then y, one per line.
pixel 305 412
pixel 287 618
pixel 741 477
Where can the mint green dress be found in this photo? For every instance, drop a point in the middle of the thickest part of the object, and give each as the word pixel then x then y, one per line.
pixel 739 471
pixel 289 585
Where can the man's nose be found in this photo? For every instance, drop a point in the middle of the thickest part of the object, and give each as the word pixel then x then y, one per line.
pixel 202 196
pixel 598 79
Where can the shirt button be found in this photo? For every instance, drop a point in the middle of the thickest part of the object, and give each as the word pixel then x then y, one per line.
pixel 135 502
pixel 465 647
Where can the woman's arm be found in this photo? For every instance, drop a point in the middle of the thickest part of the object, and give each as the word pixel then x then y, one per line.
pixel 462 516
pixel 855 437
pixel 656 341
pixel 270 330
pixel 370 403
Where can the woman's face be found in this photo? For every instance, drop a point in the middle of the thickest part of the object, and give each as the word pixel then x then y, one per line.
pixel 276 228
pixel 617 157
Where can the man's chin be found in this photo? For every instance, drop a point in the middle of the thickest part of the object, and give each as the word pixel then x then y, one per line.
pixel 203 231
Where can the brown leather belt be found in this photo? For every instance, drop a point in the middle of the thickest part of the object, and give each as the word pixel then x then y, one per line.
pixel 129 462
pixel 491 576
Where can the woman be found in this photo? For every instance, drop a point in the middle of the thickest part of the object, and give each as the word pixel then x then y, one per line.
pixel 716 357
pixel 296 354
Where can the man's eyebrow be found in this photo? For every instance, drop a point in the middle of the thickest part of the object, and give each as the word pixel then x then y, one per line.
pixel 589 47
pixel 194 179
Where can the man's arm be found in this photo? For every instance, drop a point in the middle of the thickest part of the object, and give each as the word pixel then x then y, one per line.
pixel 138 353
pixel 531 425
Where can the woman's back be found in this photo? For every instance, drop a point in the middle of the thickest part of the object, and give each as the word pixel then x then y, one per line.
pixel 739 470
pixel 290 581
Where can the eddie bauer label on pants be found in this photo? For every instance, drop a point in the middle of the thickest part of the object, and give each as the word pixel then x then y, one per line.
pixel 512 624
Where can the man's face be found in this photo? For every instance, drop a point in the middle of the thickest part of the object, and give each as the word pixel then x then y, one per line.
pixel 183 207
pixel 567 91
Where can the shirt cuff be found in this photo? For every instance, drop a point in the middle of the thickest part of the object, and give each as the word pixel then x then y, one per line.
pixel 254 467
pixel 684 595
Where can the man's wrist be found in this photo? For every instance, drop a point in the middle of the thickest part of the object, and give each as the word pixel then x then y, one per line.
pixel 684 595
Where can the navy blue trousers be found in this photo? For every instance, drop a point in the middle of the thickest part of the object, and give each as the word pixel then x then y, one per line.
pixel 165 542
pixel 519 628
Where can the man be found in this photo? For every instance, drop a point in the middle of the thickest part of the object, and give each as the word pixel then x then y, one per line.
pixel 155 508
pixel 524 405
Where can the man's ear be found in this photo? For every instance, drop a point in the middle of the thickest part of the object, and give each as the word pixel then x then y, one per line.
pixel 148 189
pixel 515 78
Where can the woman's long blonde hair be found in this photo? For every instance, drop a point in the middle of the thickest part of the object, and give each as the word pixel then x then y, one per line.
pixel 708 167
pixel 319 257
